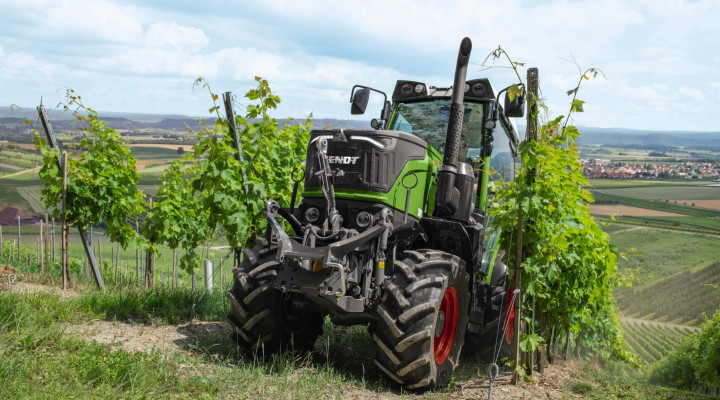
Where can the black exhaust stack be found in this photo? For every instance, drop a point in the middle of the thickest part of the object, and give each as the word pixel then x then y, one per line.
pixel 447 198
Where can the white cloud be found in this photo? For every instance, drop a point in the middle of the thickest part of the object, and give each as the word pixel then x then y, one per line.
pixel 172 35
pixel 90 19
pixel 692 94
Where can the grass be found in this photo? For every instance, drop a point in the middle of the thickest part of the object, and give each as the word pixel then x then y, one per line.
pixel 39 360
pixel 598 383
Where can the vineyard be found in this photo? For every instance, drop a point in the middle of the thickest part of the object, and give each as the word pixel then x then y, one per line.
pixel 120 267
pixel 652 343
pixel 687 297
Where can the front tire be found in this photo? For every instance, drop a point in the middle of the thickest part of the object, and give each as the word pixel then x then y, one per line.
pixel 422 319
pixel 264 318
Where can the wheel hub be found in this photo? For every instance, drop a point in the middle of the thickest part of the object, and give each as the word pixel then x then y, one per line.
pixel 446 325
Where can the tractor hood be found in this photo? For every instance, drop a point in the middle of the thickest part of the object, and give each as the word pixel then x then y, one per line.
pixel 367 160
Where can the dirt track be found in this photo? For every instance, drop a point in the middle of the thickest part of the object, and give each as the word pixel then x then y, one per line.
pixel 619 210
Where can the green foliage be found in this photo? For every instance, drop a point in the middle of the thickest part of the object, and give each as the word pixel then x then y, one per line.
pixel 178 217
pixel 569 264
pixel 102 177
pixel 218 189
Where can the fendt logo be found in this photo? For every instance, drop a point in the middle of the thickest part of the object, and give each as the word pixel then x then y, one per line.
pixel 343 159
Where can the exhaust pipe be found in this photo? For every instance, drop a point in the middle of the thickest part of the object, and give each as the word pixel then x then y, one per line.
pixel 447 196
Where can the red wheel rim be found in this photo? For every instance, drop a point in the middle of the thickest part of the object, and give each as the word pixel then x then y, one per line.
pixel 443 343
pixel 509 315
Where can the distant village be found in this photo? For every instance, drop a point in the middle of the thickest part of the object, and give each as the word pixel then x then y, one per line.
pixel 607 169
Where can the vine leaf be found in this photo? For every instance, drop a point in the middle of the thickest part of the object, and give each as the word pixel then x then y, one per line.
pixel 577 105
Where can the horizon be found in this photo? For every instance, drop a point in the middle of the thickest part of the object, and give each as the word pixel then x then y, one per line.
pixel 6 112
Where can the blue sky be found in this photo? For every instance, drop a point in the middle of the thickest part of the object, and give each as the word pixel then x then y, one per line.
pixel 661 58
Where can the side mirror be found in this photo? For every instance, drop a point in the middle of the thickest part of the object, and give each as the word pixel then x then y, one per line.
pixel 359 101
pixel 516 107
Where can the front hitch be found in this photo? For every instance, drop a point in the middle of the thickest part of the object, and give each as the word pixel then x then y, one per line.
pixel 288 248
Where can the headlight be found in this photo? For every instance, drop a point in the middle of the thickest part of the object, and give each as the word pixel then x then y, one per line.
pixel 407 89
pixel 363 219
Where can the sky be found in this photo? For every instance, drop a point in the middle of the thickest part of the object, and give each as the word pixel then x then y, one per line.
pixel 660 59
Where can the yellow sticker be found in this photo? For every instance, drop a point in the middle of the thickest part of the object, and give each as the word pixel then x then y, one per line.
pixel 381 264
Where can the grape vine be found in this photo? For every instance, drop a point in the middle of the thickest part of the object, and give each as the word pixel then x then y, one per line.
pixel 216 189
pixel 569 264
pixel 102 176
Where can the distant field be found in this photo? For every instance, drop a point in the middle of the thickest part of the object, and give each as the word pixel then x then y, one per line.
pixel 25 178
pixel 711 204
pixel 651 343
pixel 603 196
pixel 659 253
pixel 686 297
pixel 671 193
pixel 155 152
pixel 32 195
pixel 602 209
pixel 623 183
pixel 9 197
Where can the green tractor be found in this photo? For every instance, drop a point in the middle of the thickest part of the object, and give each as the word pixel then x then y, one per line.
pixel 393 232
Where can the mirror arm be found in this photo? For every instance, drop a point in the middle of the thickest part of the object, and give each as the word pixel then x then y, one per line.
pixel 385 112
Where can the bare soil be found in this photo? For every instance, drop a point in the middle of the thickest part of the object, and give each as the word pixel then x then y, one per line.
pixel 713 204
pixel 618 210
pixel 186 147
pixel 133 337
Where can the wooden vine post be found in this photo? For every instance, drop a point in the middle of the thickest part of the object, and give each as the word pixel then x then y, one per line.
pixel 530 135
pixel 41 256
pixel 45 240
pixel 149 264
pixel 18 242
pixel 533 82
pixel 63 224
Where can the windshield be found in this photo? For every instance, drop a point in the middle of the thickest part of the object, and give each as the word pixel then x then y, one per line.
pixel 429 120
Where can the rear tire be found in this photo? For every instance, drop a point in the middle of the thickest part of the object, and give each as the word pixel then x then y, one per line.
pixel 496 337
pixel 264 318
pixel 421 322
